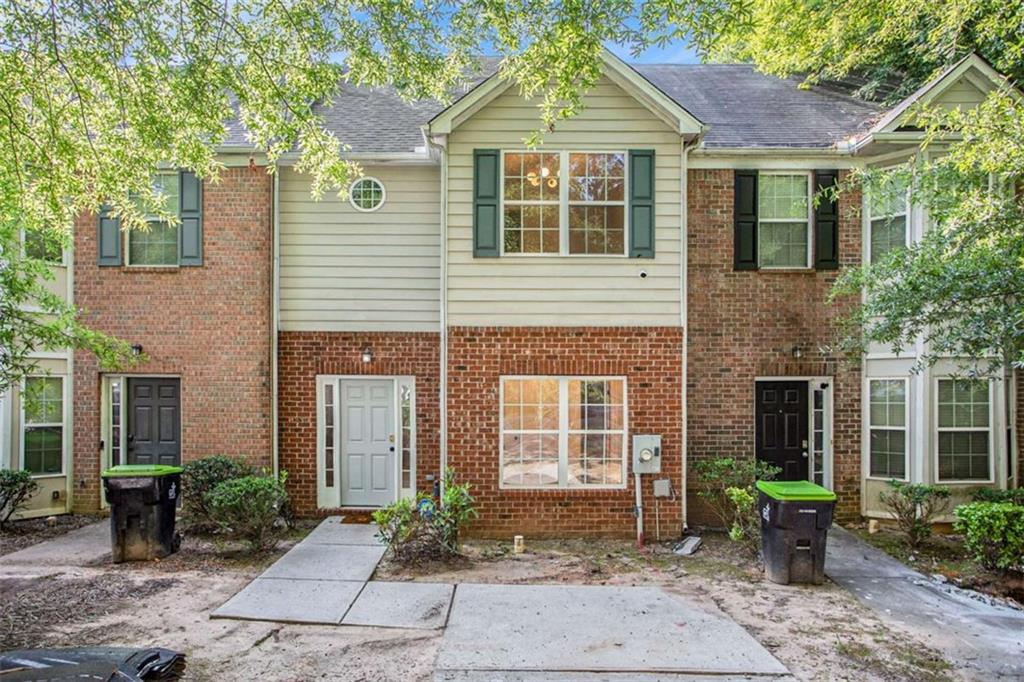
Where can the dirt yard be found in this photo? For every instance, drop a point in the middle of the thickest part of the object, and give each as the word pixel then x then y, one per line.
pixel 820 633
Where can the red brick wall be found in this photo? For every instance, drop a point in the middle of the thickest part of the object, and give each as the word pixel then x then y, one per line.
pixel 304 355
pixel 744 324
pixel 651 360
pixel 210 325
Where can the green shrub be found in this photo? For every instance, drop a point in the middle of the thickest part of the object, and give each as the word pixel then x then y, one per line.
pixel 249 508
pixel 422 530
pixel 16 489
pixel 994 533
pixel 1012 495
pixel 726 485
pixel 199 479
pixel 914 507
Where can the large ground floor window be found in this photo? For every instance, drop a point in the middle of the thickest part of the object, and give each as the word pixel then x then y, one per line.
pixel 964 436
pixel 42 449
pixel 563 432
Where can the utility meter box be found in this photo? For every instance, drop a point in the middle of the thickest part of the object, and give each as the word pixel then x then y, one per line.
pixel 646 454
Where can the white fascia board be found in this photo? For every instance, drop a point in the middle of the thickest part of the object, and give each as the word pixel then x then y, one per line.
pixel 757 158
pixel 935 87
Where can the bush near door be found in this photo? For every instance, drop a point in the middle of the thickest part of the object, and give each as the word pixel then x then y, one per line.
pixel 250 508
pixel 915 506
pixel 16 489
pixel 198 479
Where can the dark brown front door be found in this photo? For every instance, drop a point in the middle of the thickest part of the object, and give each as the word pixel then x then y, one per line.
pixel 154 421
pixel 782 424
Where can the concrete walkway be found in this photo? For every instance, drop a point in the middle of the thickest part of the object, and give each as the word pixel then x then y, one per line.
pixel 976 633
pixel 85 546
pixel 326 579
pixel 524 633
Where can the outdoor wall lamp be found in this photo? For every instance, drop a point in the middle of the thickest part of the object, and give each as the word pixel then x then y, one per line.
pixel 367 355
pixel 797 352
pixel 137 349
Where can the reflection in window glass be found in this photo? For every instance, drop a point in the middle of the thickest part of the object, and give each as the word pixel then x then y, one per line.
pixel 541 414
pixel 597 203
pixel 783 221
pixel 43 431
pixel 963 430
pixel 887 409
pixel 158 245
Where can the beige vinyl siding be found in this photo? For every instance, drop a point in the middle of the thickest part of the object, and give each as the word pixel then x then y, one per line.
pixel 346 270
pixel 564 290
pixel 962 94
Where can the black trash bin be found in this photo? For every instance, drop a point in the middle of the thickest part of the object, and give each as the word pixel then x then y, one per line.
pixel 795 517
pixel 143 504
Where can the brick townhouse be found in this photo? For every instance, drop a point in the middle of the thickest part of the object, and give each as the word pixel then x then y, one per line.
pixel 656 268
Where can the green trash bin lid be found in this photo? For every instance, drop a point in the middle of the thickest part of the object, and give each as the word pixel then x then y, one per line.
pixel 796 491
pixel 140 470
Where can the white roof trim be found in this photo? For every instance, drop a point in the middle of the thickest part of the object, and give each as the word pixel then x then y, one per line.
pixel 933 88
pixel 620 73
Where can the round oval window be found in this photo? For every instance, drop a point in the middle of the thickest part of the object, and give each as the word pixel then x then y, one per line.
pixel 366 194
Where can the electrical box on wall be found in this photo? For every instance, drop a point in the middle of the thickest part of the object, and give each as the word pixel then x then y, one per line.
pixel 646 454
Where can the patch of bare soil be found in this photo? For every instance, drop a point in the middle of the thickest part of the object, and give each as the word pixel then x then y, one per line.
pixel 818 632
pixel 21 534
pixel 36 610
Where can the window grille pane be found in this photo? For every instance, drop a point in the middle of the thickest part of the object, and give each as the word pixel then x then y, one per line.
pixel 44 449
pixel 329 435
pixel 531 197
pixel 887 235
pixel 782 197
pixel 597 203
pixel 782 245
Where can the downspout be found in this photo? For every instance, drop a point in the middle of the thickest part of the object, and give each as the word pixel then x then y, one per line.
pixel 683 312
pixel 443 354
pixel 275 313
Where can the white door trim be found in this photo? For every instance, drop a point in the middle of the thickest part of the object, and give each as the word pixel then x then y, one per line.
pixel 329 497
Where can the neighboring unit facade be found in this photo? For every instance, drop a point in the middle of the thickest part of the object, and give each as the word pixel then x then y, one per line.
pixel 656 268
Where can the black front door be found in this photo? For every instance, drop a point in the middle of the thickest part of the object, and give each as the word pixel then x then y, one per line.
pixel 782 423
pixel 154 421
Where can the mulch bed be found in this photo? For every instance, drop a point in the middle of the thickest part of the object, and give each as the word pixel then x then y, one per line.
pixel 21 534
pixel 35 608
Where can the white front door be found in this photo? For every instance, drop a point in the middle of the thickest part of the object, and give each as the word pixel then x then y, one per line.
pixel 367 443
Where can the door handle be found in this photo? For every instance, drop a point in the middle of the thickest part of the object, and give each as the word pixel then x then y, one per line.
pixel 804 453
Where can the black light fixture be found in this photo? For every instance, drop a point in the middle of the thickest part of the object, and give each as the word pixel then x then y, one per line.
pixel 797 352
pixel 367 355
pixel 137 349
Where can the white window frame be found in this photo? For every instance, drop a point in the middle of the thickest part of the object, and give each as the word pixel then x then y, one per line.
pixel 992 433
pixel 127 245
pixel 563 432
pixel 871 217
pixel 809 260
pixel 868 427
pixel 563 204
pixel 64 433
pixel 383 194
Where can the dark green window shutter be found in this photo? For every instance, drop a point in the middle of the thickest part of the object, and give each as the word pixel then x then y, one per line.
pixel 641 203
pixel 190 234
pixel 826 224
pixel 745 220
pixel 485 203
pixel 108 239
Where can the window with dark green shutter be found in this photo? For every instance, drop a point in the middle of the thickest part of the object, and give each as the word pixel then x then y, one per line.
pixel 163 243
pixel 485 203
pixel 562 203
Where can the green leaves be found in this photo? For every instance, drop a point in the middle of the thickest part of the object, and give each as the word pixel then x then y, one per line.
pixel 994 533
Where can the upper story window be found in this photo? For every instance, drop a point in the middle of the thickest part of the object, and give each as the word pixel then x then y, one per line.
pixel 564 203
pixel 887 220
pixel 784 220
pixel 43 431
pixel 43 247
pixel 964 438
pixel 366 194
pixel 159 244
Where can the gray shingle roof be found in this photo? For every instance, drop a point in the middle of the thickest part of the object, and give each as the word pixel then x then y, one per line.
pixel 741 107
pixel 745 108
